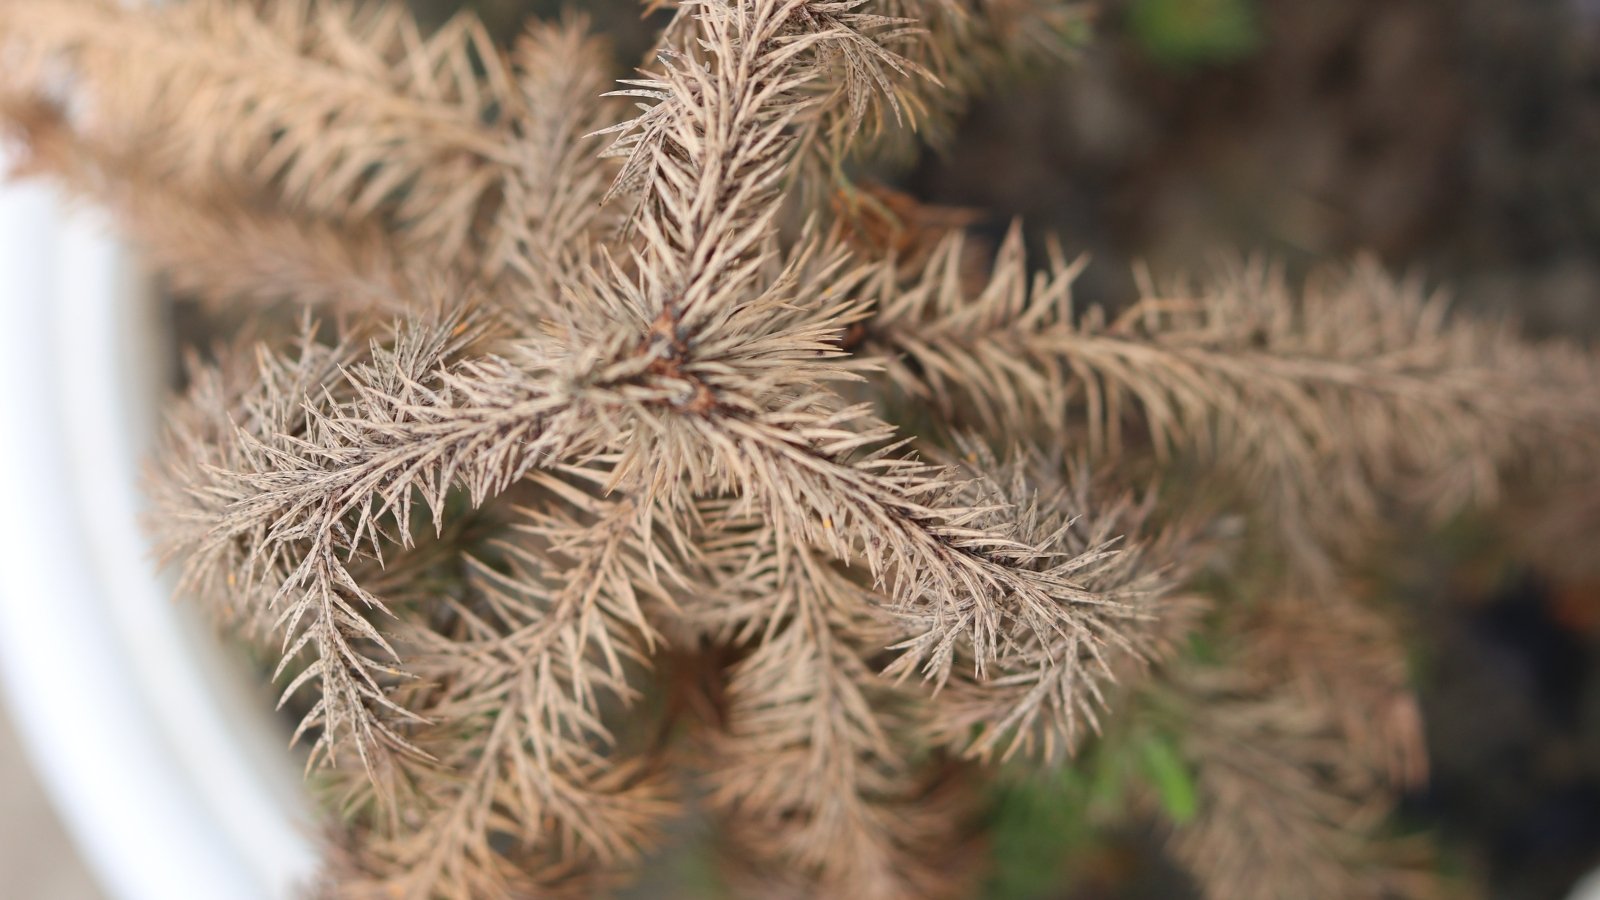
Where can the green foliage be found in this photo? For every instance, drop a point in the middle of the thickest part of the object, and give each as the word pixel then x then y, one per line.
pixel 1044 824
pixel 1171 778
pixel 1191 32
pixel 1034 819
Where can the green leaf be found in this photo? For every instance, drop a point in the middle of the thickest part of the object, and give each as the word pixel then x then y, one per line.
pixel 1184 32
pixel 1171 778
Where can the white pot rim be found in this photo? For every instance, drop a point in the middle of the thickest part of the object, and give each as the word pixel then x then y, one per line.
pixel 161 763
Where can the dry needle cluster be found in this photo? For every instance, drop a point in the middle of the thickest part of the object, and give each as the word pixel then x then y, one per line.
pixel 632 467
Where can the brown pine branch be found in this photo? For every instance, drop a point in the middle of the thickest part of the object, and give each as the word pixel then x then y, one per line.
pixel 812 768
pixel 222 246
pixel 1052 688
pixel 341 112
pixel 1299 742
pixel 1322 403
pixel 520 707
pixel 551 202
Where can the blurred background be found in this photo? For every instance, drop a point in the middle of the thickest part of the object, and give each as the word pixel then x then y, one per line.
pixel 1454 138
pixel 37 857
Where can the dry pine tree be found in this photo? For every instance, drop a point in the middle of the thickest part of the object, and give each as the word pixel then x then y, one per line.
pixel 632 466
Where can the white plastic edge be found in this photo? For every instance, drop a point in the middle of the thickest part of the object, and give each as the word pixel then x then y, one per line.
pixel 162 765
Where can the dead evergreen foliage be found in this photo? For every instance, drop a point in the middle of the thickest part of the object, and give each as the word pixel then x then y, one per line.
pixel 594 401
